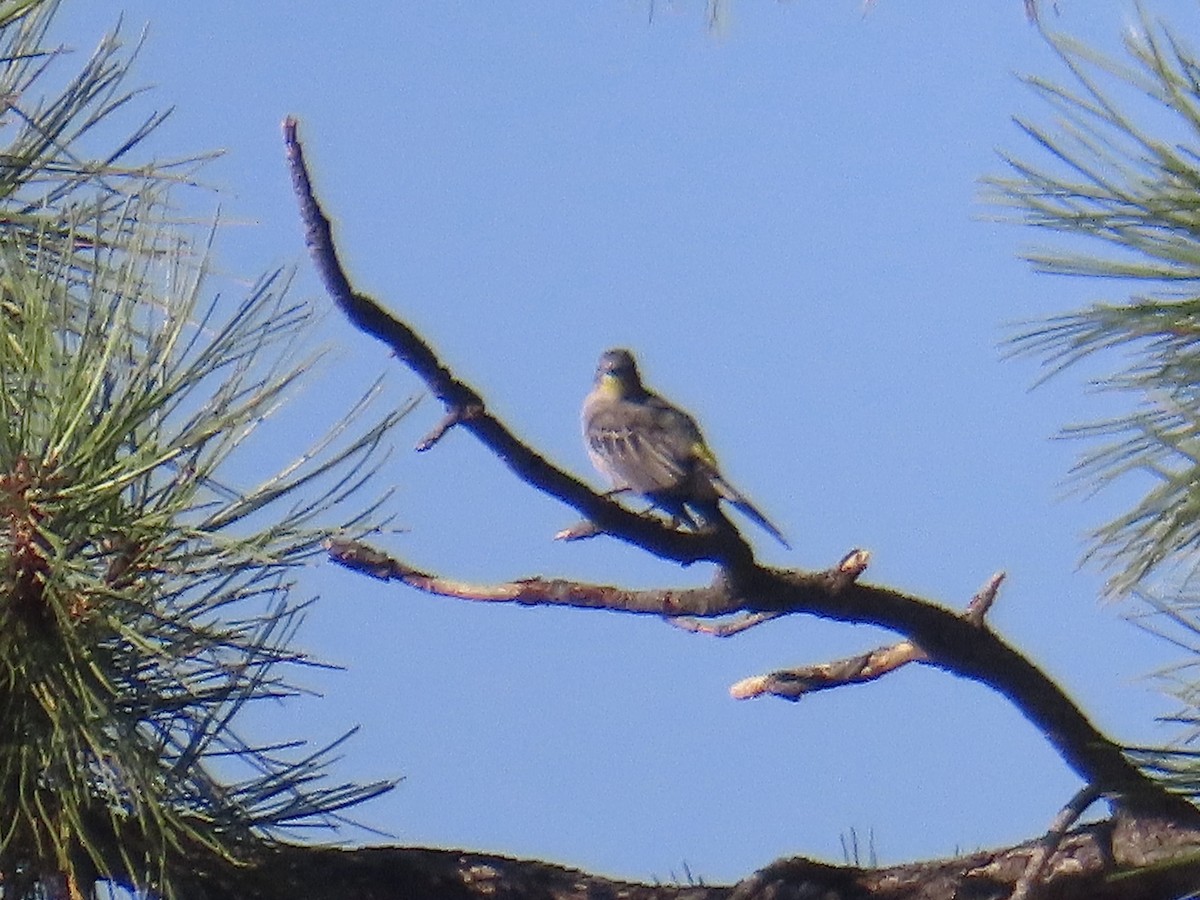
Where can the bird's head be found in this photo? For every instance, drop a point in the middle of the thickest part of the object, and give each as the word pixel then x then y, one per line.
pixel 617 373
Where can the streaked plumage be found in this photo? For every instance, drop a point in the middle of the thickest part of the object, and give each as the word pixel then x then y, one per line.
pixel 644 444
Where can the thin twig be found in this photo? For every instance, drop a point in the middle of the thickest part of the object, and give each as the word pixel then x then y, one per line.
pixel 725 629
pixel 578 532
pixel 1027 885
pixel 792 684
pixel 715 600
pixel 978 608
pixel 452 417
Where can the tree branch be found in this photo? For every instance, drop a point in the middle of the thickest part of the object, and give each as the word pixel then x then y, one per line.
pixel 792 684
pixel 955 643
pixel 1033 878
pixel 1082 869
pixel 467 409
pixel 848 569
pixel 958 644
pixel 710 601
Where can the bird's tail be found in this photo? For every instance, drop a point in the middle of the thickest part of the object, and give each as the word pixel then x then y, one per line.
pixel 740 502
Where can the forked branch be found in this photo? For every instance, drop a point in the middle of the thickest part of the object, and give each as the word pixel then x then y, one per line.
pixel 792 684
pixel 466 408
pixel 960 644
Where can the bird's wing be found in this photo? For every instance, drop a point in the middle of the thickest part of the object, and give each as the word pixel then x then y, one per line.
pixel 645 445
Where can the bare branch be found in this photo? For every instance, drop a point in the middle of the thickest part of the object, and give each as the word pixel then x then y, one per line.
pixel 725 545
pixel 711 601
pixel 978 608
pixel 1081 870
pixel 1039 859
pixel 725 629
pixel 957 644
pixel 944 639
pixel 847 570
pixel 453 416
pixel 578 532
pixel 792 684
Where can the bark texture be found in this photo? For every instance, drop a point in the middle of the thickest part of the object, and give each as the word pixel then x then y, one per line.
pixel 1127 858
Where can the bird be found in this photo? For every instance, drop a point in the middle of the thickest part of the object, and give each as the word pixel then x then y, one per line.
pixel 644 444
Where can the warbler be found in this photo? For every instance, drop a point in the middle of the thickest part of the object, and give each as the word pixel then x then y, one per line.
pixel 646 445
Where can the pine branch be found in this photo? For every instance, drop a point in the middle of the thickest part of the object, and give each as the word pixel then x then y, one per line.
pixel 142 603
pixel 1125 178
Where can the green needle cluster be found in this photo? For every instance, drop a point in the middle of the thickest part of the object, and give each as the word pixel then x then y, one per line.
pixel 144 598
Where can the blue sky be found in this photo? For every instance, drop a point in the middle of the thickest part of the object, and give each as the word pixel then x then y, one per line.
pixel 783 221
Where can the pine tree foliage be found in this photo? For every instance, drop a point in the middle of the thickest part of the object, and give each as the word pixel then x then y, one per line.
pixel 1127 198
pixel 1118 182
pixel 144 599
